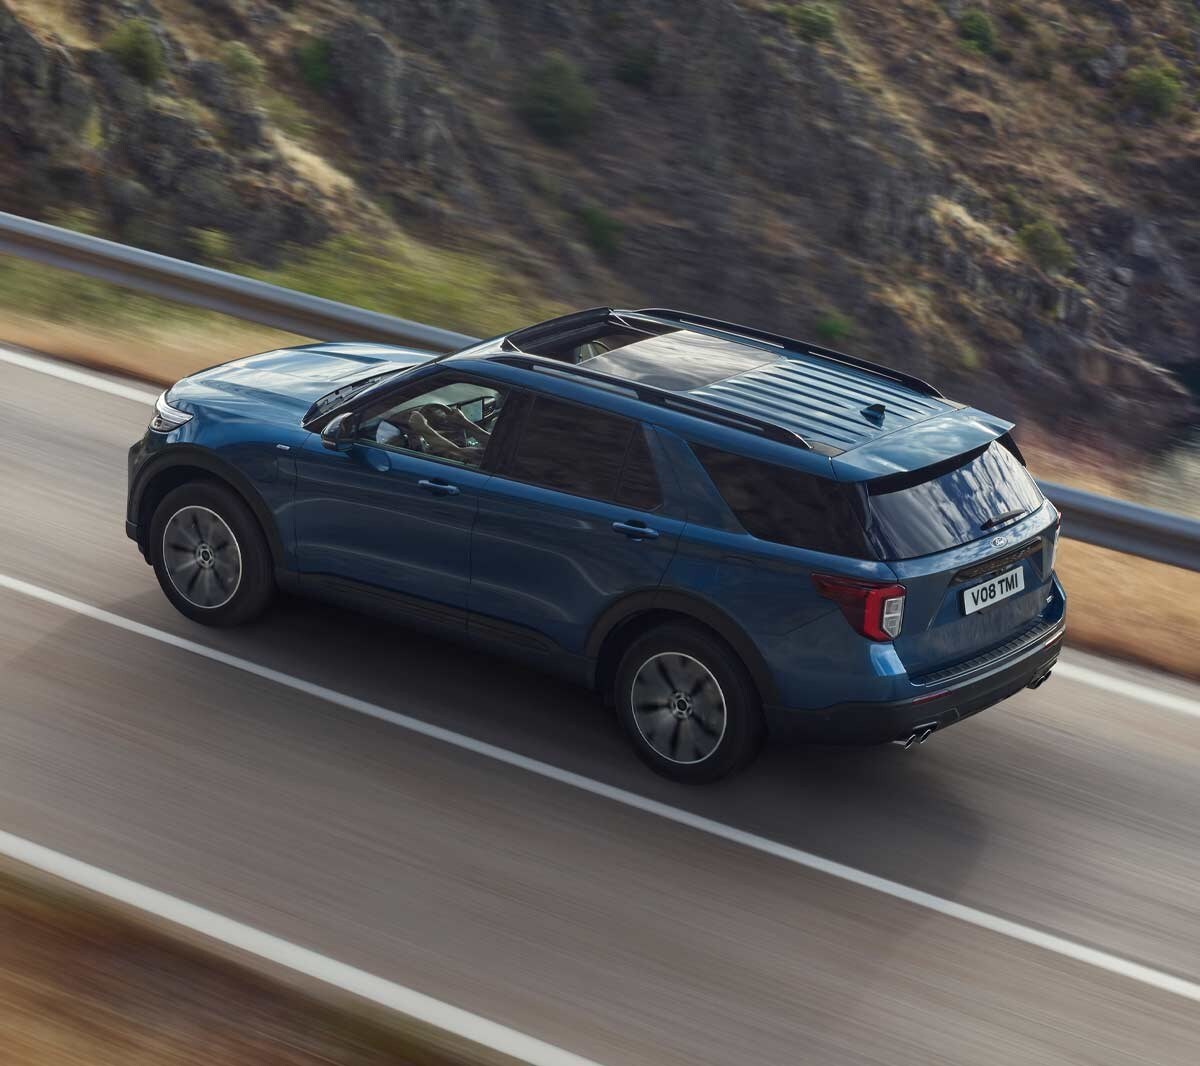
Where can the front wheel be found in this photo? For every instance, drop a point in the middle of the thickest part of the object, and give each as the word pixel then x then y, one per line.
pixel 210 555
pixel 688 704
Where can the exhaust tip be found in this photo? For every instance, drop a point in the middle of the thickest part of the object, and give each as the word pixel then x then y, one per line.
pixel 1039 681
pixel 906 742
pixel 925 735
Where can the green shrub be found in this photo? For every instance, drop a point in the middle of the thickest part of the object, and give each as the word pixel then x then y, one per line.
pixel 1046 246
pixel 1018 210
pixel 832 327
pixel 602 231
pixel 814 22
pixel 976 28
pixel 242 65
pixel 555 101
pixel 638 66
pixel 1155 87
pixel 315 60
pixel 134 45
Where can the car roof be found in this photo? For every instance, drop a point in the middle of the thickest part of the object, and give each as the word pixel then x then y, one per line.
pixel 788 390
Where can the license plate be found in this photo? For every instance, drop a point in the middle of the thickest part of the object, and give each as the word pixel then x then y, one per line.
pixel 995 589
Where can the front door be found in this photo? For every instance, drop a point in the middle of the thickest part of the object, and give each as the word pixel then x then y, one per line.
pixel 390 516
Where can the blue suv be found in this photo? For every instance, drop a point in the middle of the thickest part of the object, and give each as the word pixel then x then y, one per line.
pixel 723 531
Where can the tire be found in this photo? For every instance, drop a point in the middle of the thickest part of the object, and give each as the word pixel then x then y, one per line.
pixel 688 704
pixel 210 555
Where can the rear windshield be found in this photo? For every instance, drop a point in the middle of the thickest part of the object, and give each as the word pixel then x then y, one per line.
pixel 949 504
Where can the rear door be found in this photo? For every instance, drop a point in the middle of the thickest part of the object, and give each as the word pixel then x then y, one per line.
pixel 971 539
pixel 574 519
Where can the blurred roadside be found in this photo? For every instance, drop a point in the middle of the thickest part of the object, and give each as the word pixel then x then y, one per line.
pixel 1119 605
pixel 82 983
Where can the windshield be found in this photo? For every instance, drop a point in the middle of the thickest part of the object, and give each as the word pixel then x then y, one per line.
pixel 949 504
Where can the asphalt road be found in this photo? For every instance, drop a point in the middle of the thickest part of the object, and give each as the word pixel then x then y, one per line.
pixel 606 930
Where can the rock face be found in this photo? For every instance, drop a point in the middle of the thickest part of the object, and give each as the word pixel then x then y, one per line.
pixel 749 174
pixel 76 129
pixel 44 107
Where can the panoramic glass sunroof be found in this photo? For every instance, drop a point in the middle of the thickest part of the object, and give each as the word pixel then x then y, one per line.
pixel 679 361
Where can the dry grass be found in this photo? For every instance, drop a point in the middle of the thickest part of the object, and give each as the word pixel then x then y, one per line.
pixel 1131 608
pixel 160 355
pixel 54 18
pixel 82 984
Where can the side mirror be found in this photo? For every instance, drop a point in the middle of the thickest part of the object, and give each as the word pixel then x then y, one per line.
pixel 338 435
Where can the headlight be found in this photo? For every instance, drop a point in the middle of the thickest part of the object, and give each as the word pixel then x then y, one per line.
pixel 166 417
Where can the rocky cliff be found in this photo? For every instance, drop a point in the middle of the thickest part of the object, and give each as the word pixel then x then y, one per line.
pixel 990 194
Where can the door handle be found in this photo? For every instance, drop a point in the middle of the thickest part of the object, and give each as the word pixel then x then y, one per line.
pixel 635 530
pixel 438 488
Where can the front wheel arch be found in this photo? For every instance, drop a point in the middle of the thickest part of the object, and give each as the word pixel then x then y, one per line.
pixel 175 468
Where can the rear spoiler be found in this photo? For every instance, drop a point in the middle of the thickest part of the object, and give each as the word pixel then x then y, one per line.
pixel 921 444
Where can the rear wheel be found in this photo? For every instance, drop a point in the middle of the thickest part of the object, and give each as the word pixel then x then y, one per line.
pixel 210 555
pixel 688 704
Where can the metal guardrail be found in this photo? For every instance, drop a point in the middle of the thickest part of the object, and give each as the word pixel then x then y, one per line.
pixel 214 290
pixel 1116 524
pixel 1127 527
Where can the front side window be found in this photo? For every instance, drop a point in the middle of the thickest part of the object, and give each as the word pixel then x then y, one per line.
pixel 585 452
pixel 448 418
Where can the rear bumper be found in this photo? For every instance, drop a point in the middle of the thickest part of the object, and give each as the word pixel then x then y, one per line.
pixel 878 723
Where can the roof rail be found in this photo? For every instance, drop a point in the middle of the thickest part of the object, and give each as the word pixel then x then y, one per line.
pixel 682 318
pixel 665 398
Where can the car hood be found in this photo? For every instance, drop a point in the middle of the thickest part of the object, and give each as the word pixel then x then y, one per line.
pixel 286 383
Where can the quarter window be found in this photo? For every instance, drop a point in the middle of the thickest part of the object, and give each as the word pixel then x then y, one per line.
pixel 787 506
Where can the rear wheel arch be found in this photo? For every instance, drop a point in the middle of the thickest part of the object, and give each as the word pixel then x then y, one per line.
pixel 628 619
pixel 168 473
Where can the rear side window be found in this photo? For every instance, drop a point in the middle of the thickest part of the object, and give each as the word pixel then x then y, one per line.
pixel 787 506
pixel 949 504
pixel 583 451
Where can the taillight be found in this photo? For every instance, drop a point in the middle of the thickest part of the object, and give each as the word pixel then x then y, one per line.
pixel 874 608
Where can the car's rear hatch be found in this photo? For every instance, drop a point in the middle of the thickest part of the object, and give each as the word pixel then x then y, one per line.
pixel 972 540
pixel 941 638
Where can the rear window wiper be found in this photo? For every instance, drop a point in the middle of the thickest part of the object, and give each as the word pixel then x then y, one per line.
pixel 1000 519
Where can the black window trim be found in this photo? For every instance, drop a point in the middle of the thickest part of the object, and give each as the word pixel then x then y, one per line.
pixel 516 437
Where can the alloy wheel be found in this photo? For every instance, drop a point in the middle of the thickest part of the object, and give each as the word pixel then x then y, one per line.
pixel 202 557
pixel 678 707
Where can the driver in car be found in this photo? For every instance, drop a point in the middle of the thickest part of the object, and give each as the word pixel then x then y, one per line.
pixel 425 429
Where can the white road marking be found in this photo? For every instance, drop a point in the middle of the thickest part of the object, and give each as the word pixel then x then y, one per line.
pixel 1073 671
pixel 76 376
pixel 1134 690
pixel 1102 960
pixel 300 960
